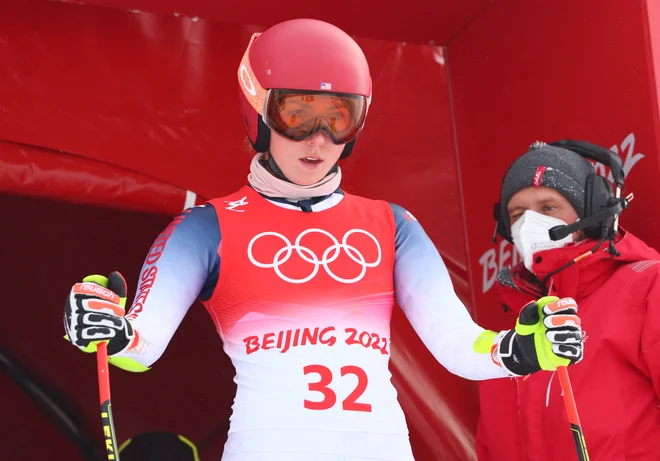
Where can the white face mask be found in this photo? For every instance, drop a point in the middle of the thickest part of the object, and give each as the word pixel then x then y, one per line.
pixel 530 235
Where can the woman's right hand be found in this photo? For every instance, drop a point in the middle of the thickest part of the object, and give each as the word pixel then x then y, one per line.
pixel 94 313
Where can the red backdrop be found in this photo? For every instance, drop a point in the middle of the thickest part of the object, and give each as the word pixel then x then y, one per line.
pixel 154 96
pixel 527 71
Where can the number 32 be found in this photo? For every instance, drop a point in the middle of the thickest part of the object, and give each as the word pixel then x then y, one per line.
pixel 329 397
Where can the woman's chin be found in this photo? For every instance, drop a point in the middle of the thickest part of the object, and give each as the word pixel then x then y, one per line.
pixel 306 178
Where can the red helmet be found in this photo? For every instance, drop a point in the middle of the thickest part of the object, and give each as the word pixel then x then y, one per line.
pixel 304 64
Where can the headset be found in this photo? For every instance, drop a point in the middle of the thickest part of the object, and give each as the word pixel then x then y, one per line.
pixel 602 206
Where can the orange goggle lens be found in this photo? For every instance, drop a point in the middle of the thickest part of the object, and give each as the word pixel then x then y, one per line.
pixel 298 114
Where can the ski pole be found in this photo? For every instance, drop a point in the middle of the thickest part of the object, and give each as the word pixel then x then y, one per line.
pixel 573 418
pixel 106 405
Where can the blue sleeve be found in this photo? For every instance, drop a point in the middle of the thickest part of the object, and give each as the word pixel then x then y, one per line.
pixel 208 233
pixel 181 265
pixel 424 290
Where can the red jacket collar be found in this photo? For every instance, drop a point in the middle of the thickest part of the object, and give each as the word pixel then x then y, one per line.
pixel 581 278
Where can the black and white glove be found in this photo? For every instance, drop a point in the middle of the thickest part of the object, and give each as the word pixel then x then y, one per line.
pixel 547 335
pixel 94 313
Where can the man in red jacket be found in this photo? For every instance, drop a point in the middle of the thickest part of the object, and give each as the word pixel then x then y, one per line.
pixel 615 279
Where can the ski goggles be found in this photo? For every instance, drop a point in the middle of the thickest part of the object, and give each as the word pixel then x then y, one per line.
pixel 297 114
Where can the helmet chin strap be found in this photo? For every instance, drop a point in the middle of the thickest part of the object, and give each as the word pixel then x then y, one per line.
pixel 276 171
pixel 273 168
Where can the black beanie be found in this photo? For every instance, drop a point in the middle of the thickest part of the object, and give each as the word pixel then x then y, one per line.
pixel 550 166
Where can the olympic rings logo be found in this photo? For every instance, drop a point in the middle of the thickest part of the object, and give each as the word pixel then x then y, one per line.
pixel 329 255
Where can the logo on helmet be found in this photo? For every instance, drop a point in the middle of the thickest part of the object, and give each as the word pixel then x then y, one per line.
pixel 245 79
